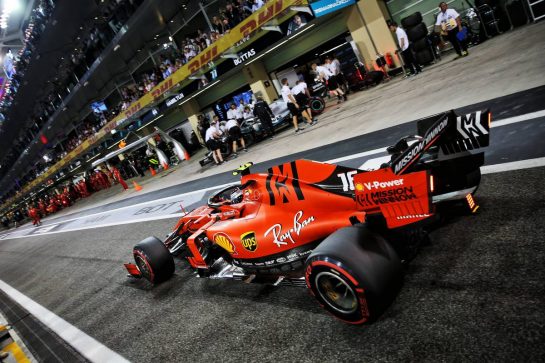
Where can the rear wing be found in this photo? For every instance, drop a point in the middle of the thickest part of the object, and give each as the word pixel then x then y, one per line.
pixel 452 132
pixel 401 199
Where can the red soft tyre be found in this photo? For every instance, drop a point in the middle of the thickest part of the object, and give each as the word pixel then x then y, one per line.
pixel 153 260
pixel 354 274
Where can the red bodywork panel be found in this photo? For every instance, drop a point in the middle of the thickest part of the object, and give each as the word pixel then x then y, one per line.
pixel 294 204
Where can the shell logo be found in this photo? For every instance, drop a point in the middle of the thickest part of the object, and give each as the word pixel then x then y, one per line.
pixel 222 240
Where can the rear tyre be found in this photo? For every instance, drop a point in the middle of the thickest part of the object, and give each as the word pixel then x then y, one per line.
pixel 424 57
pixel 153 260
pixel 421 45
pixel 411 20
pixel 417 32
pixel 354 274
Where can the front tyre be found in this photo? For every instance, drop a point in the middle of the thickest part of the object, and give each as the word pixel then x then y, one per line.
pixel 153 260
pixel 354 274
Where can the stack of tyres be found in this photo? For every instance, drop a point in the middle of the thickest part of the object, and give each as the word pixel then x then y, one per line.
pixel 417 32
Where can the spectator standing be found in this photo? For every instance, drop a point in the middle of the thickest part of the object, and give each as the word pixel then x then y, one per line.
pixel 226 25
pixel 449 22
pixel 263 112
pixel 244 7
pixel 217 25
pixel 232 13
pixel 256 5
pixel 406 51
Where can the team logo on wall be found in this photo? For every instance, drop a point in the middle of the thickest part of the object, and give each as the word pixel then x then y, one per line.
pixel 249 241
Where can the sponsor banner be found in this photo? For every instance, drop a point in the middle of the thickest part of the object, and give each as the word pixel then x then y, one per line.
pixel 402 199
pixel 324 7
pixel 237 35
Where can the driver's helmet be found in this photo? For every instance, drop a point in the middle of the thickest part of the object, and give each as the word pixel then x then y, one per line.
pixel 236 196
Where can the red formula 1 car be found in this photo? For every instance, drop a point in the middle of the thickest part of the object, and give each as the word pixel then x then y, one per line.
pixel 341 232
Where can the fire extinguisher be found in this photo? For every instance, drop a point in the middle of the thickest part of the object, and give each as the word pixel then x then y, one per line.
pixel 389 60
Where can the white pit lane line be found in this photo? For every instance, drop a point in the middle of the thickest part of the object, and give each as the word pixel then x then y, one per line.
pixel 46 227
pixel 87 346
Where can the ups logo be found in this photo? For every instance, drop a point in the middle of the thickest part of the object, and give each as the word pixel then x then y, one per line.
pixel 249 242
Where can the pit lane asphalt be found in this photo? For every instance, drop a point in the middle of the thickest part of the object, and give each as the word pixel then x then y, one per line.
pixel 474 293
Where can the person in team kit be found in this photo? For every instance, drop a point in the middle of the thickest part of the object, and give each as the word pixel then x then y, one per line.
pixel 406 52
pixel 302 96
pixel 264 113
pixel 233 129
pixel 117 176
pixel 335 68
pixel 212 140
pixel 242 106
pixel 449 23
pixel 234 113
pixel 34 214
pixel 292 104
pixel 325 75
pixel 247 113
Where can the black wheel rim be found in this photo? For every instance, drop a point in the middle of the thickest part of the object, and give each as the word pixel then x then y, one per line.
pixel 336 292
pixel 316 105
pixel 142 266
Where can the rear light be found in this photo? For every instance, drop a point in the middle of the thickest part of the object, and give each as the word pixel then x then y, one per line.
pixel 432 184
pixel 489 119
